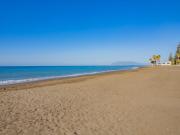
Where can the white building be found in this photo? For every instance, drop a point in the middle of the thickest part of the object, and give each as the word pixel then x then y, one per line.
pixel 166 63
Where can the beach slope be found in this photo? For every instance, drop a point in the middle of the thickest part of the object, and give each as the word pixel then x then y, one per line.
pixel 140 102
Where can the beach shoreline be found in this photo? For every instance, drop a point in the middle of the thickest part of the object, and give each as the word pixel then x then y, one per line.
pixel 145 101
pixel 61 80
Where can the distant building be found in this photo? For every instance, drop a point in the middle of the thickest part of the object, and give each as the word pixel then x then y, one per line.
pixel 166 63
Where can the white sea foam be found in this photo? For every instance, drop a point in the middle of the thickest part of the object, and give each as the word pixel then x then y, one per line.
pixel 7 82
pixel 135 67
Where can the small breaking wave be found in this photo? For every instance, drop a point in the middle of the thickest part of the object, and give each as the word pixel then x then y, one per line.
pixel 7 82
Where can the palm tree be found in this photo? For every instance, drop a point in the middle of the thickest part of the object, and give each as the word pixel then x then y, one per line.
pixel 152 61
pixel 155 59
pixel 158 58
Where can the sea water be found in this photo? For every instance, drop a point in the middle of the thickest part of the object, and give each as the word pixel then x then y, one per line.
pixel 20 74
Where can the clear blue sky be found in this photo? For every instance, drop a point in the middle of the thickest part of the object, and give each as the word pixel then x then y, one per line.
pixel 86 32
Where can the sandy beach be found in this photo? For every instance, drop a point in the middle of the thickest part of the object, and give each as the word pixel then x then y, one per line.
pixel 140 102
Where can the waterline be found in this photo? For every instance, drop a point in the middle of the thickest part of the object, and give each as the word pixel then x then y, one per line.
pixel 8 80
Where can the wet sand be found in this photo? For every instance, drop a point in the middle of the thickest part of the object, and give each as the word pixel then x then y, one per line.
pixel 140 102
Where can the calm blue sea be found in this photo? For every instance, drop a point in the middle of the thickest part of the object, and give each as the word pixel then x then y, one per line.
pixel 19 74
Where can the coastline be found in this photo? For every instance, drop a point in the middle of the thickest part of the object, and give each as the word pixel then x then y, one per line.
pixel 142 101
pixel 60 80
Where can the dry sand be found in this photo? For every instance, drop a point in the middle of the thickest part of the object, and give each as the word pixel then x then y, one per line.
pixel 142 102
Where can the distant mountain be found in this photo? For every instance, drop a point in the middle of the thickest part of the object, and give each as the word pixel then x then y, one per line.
pixel 124 63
